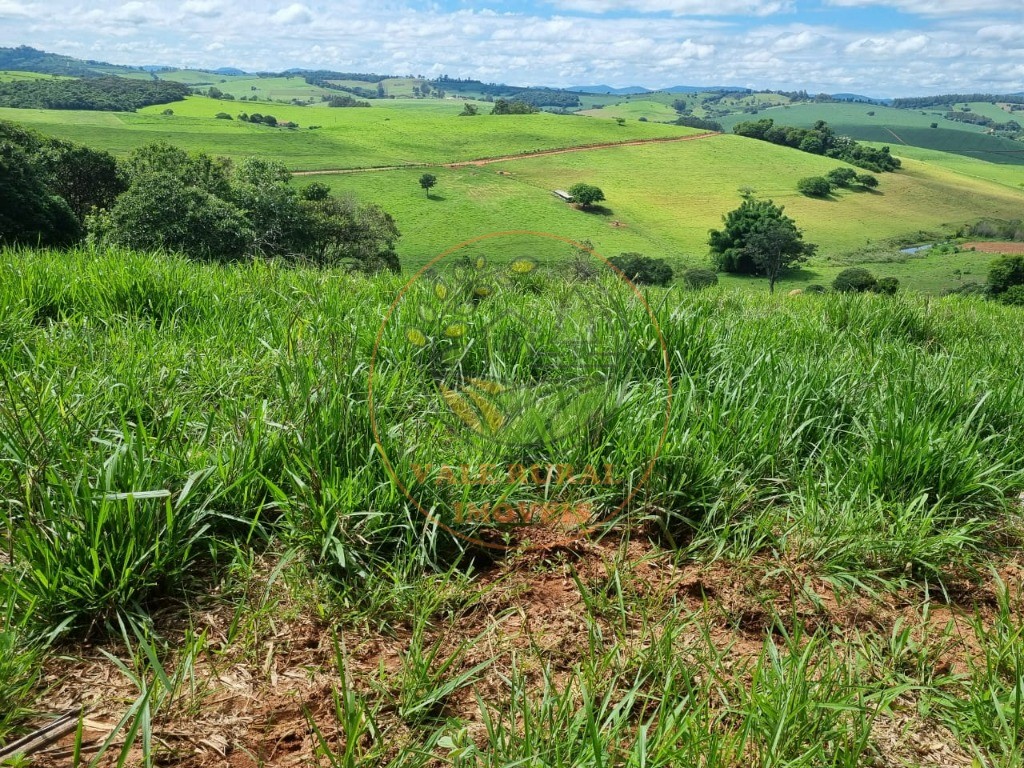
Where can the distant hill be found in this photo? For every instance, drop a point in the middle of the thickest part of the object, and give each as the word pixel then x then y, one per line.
pixel 229 71
pixel 599 90
pixel 861 99
pixel 26 59
pixel 706 89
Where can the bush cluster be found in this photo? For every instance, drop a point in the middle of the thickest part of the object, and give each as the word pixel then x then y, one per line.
pixel 643 270
pixel 820 140
pixel 860 280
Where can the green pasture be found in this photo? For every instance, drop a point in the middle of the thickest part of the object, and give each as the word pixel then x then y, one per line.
pixel 850 117
pixel 654 111
pixel 272 88
pixel 1001 173
pixel 7 76
pixel 897 127
pixel 665 198
pixel 993 111
pixel 197 77
pixel 391 133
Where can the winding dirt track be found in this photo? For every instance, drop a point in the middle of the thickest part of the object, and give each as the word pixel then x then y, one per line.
pixel 507 158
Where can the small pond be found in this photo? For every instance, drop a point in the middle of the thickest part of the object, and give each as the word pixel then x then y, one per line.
pixel 917 248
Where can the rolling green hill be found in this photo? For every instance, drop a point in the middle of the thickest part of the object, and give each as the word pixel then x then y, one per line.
pixel 663 198
pixel 389 133
pixel 1001 173
pixel 895 127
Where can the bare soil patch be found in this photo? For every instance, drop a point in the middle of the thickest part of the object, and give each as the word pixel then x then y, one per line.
pixel 990 247
pixel 252 701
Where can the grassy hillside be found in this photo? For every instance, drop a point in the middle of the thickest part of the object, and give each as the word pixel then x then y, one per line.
pixel 666 198
pixel 1001 173
pixel 273 88
pixel 823 564
pixel 391 133
pixel 10 76
pixel 634 110
pixel 852 116
pixel 897 127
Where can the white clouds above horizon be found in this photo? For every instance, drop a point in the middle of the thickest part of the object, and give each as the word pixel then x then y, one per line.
pixel 680 7
pixel 785 44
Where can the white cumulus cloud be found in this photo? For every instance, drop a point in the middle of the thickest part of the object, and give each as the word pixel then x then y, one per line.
pixel 296 13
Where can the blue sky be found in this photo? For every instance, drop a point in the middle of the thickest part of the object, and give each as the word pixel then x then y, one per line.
pixel 877 47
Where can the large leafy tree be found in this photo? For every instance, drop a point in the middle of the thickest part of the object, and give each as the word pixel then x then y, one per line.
pixel 342 232
pixel 775 245
pixel 277 222
pixel 586 195
pixel 756 237
pixel 209 209
pixel 29 212
pixel 86 178
pixel 162 211
pixel 45 179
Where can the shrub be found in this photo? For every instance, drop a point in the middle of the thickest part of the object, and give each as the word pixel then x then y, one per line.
pixel 854 280
pixel 643 270
pixel 867 180
pixel 1005 273
pixel 223 116
pixel 971 288
pixel 815 288
pixel 814 186
pixel 1014 295
pixel 887 285
pixel 841 177
pixel 700 277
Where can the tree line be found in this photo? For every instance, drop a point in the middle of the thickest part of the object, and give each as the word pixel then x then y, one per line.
pixel 948 99
pixel 112 94
pixel 163 198
pixel 820 140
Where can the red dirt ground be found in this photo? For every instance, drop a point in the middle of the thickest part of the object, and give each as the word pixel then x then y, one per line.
pixel 251 701
pixel 1011 248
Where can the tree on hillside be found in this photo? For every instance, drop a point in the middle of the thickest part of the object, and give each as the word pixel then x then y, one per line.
pixel 83 177
pixel 775 245
pixel 1005 272
pixel 162 211
pixel 29 212
pixel 469 110
pixel 642 270
pixel 762 225
pixel 428 181
pixel 586 195
pixel 513 107
pixel 86 178
pixel 842 177
pixel 814 186
pixel 211 210
pixel 342 232
pixel 261 190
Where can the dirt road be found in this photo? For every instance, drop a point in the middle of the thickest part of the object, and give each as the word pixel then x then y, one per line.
pixel 507 158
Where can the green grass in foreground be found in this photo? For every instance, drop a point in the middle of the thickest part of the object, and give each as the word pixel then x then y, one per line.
pixel 165 424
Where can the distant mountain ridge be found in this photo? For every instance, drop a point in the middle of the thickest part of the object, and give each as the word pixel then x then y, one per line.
pixel 25 58
pixel 634 90
pixel 600 90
